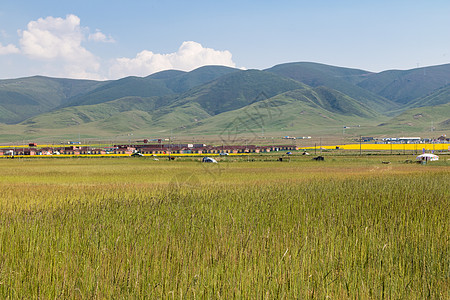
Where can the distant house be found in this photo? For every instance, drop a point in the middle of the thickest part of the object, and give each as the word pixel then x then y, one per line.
pixel 5 151
pixel 127 150
pixel 443 138
pixel 197 151
pixel 367 138
pixel 409 140
pixel 85 150
pixel 45 151
pixel 26 151
pixel 98 151
pixel 72 152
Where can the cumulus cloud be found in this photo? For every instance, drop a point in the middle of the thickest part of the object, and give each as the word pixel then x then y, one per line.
pixel 8 49
pixel 189 56
pixel 55 46
pixel 99 36
pixel 59 40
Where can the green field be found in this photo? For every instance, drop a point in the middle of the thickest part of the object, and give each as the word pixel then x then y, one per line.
pixel 348 227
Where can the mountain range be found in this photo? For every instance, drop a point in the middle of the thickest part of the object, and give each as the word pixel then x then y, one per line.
pixel 299 97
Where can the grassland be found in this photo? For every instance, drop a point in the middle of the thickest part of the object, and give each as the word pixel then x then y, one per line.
pixel 349 227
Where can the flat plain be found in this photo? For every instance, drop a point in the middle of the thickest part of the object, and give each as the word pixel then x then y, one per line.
pixel 347 227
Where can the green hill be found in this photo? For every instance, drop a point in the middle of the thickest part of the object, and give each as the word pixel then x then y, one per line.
pixel 160 84
pixel 167 74
pixel 292 109
pixel 237 90
pixel 341 79
pixel 335 102
pixel 420 119
pixel 25 97
pixel 199 103
pixel 197 77
pixel 288 97
pixel 77 115
pixel 438 97
pixel 305 110
pixel 404 87
pixel 311 73
pixel 125 87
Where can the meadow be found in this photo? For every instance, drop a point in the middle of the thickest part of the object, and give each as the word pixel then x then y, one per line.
pixel 347 227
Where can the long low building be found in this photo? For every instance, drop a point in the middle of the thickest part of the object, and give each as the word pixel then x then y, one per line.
pixel 146 149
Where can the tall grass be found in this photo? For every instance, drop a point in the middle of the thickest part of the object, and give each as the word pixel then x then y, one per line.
pixel 66 231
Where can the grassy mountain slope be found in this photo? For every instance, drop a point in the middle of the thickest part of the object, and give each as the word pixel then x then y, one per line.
pixel 213 98
pixel 237 90
pixel 193 106
pixel 341 79
pixel 404 87
pixel 167 74
pixel 77 115
pixel 309 72
pixel 420 119
pixel 333 101
pixel 197 77
pixel 25 97
pixel 16 106
pixel 305 110
pixel 121 114
pixel 438 97
pixel 160 84
pixel 125 87
pixel 179 116
pixel 292 109
pixel 127 121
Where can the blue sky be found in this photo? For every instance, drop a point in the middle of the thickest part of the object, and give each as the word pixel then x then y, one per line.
pixel 100 39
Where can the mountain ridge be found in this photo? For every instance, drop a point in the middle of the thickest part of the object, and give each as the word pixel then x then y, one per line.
pixel 202 99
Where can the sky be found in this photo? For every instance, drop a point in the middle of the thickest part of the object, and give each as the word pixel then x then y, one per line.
pixel 108 39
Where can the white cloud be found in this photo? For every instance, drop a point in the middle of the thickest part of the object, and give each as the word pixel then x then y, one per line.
pixel 189 56
pixel 56 47
pixel 59 40
pixel 98 36
pixel 8 49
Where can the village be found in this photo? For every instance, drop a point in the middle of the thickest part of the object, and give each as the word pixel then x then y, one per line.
pixel 142 149
pixel 165 147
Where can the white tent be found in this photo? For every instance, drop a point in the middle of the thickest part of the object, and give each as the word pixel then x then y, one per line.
pixel 209 160
pixel 427 157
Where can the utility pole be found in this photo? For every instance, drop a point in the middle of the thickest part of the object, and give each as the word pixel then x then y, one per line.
pixel 433 145
pixel 170 145
pixel 246 148
pixel 360 146
pixel 320 142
